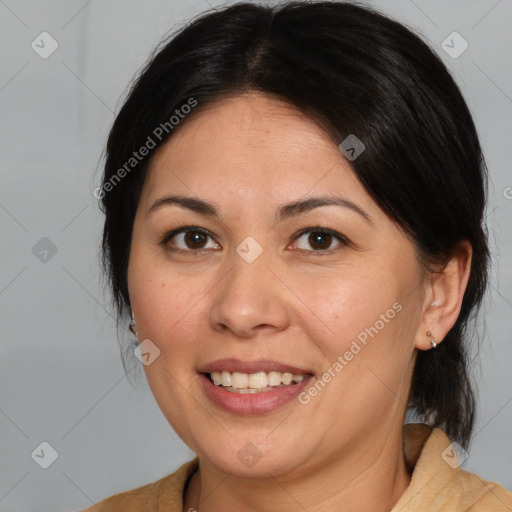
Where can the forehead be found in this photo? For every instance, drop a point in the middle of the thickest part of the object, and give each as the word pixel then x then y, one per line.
pixel 252 147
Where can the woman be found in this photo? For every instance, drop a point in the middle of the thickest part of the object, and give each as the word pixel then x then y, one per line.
pixel 294 202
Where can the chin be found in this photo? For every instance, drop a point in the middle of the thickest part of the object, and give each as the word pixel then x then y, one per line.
pixel 249 460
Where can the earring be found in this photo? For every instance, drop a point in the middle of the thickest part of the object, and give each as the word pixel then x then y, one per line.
pixel 432 342
pixel 132 327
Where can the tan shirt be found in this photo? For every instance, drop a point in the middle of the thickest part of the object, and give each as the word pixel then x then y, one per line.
pixel 435 486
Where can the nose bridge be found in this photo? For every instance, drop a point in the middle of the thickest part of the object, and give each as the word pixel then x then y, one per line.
pixel 250 295
pixel 248 279
pixel 250 265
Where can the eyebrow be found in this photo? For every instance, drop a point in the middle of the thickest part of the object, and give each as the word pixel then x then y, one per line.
pixel 286 211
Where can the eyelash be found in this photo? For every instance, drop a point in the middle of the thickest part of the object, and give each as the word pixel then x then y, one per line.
pixel 313 229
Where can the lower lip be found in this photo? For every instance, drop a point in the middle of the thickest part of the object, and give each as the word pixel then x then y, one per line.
pixel 252 403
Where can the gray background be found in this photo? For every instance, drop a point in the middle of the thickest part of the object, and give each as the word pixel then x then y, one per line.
pixel 62 380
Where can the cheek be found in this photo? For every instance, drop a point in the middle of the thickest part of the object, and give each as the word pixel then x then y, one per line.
pixel 168 307
pixel 362 321
pixel 347 305
pixel 160 292
pixel 163 302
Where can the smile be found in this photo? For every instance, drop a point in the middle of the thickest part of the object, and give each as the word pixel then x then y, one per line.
pixel 251 401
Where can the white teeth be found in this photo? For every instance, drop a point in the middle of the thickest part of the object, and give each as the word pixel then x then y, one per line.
pixel 274 378
pixel 286 378
pixel 254 382
pixel 225 377
pixel 250 391
pixel 258 380
pixel 239 380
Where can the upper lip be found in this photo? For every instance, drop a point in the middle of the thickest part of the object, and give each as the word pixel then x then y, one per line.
pixel 261 365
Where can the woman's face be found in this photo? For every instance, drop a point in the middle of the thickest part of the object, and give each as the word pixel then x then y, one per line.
pixel 256 283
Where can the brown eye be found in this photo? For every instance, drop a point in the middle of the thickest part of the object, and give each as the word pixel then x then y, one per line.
pixel 195 240
pixel 189 240
pixel 319 240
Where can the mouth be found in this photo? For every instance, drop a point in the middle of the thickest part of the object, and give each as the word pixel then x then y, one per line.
pixel 260 382
pixel 252 387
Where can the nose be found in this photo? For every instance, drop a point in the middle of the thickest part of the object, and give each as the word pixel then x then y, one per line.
pixel 249 299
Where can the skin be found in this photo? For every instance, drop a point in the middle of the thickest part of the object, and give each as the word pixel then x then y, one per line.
pixel 249 155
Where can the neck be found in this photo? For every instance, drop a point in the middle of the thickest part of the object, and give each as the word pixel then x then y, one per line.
pixel 372 477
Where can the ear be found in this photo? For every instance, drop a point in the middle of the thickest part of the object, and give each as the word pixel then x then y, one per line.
pixel 443 297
